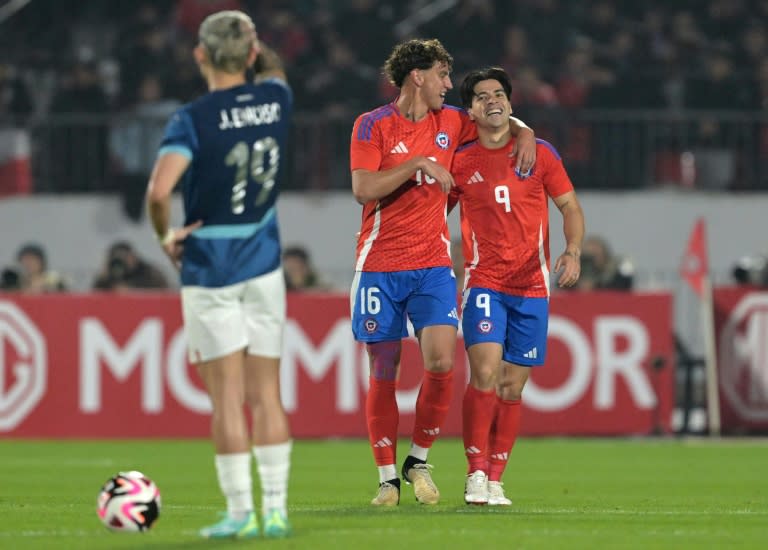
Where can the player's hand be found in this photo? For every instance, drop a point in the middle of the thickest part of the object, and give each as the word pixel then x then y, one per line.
pixel 173 243
pixel 525 151
pixel 438 172
pixel 569 266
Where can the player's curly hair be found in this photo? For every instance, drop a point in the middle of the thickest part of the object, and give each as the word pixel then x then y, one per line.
pixel 414 54
pixel 467 90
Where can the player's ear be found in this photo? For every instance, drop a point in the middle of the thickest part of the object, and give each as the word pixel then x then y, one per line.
pixel 254 53
pixel 417 77
pixel 200 54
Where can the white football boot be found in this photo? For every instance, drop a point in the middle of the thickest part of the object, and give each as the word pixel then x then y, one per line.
pixel 496 495
pixel 476 488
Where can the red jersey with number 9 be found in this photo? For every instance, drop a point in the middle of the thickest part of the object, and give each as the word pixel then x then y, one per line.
pixel 407 229
pixel 505 217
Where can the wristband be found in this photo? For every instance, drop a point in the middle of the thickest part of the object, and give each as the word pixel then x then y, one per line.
pixel 168 238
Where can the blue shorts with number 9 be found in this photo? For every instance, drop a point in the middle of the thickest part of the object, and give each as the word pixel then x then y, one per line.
pixel 518 323
pixel 380 301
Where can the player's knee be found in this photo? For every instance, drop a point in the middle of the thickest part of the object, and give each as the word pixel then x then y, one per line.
pixel 439 364
pixel 511 388
pixel 483 377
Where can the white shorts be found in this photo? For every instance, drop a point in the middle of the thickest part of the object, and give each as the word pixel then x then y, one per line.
pixel 220 321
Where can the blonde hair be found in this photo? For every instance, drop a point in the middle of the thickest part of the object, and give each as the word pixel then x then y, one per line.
pixel 228 37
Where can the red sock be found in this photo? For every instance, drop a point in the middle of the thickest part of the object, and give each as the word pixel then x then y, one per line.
pixel 432 406
pixel 478 410
pixel 382 416
pixel 503 434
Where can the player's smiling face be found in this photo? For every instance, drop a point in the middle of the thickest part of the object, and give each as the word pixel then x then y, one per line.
pixel 490 104
pixel 437 82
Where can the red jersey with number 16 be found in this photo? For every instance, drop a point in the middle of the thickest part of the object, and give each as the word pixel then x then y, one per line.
pixel 505 218
pixel 406 229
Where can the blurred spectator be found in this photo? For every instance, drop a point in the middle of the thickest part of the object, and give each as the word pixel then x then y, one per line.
pixel 581 81
pixel 124 269
pixel 77 147
pixel 529 90
pixel 145 52
pixel 135 139
pixel 298 270
pixel 718 87
pixel 9 280
pixel 190 13
pixel 751 271
pixel 515 51
pixel 185 84
pixel 600 269
pixel 32 275
pixel 288 36
pixel 754 45
pixel 343 65
pixel 368 22
pixel 15 101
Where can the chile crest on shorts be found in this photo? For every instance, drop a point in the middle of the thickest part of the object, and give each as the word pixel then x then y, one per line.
pixel 370 325
pixel 485 326
pixel 442 140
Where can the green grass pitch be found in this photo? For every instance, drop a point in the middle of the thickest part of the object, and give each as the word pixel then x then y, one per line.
pixel 567 493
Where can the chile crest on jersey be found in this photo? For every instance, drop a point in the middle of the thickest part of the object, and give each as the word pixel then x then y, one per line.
pixel 442 140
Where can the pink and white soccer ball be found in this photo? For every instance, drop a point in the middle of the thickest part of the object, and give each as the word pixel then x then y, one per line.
pixel 129 502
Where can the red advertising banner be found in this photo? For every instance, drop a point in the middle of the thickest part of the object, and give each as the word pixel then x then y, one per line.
pixel 741 321
pixel 115 366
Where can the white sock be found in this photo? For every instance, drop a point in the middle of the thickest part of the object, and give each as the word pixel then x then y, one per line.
pixel 234 472
pixel 274 463
pixel 387 472
pixel 419 452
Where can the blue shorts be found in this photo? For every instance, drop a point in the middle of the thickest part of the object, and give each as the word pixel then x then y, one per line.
pixel 381 300
pixel 518 323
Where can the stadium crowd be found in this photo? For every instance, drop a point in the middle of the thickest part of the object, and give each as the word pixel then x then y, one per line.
pixel 99 83
pixel 685 54
pixel 129 61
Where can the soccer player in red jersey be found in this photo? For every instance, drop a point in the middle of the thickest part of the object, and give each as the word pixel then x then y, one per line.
pixel 505 236
pixel 400 159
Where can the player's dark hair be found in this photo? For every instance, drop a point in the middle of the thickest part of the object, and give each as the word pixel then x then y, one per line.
pixel 414 54
pixel 467 90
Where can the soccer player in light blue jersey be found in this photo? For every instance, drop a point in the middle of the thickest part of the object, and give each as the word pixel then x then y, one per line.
pixel 227 149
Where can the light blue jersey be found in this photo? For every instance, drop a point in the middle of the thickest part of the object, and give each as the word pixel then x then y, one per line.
pixel 236 140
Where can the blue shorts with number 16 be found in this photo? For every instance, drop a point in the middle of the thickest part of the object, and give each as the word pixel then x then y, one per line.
pixel 518 323
pixel 380 302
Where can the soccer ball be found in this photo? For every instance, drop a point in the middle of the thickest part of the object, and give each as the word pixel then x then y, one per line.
pixel 128 502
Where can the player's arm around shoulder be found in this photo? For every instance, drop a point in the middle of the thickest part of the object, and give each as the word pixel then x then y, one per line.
pixel 525 145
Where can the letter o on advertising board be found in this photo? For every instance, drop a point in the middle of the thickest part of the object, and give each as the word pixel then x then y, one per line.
pixel 573 389
pixel 743 357
pixel 20 397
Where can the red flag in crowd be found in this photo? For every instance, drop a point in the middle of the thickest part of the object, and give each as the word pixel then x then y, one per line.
pixel 695 264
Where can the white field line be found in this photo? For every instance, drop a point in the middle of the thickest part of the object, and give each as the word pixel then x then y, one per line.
pixel 517 511
pixel 65 462
pixel 506 511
